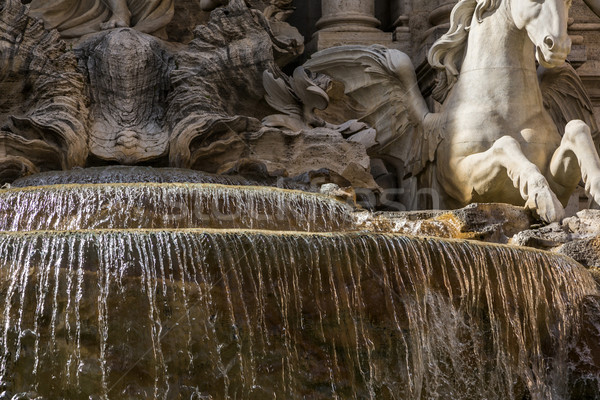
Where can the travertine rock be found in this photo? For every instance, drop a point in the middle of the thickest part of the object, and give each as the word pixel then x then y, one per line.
pixel 297 98
pixel 128 75
pixel 487 222
pixel 583 238
pixel 291 154
pixel 223 131
pixel 217 87
pixel 162 18
pixel 585 223
pixel 576 233
pixel 123 96
pixel 43 110
pixel 584 251
pixel 577 237
pixel 288 42
pixel 546 237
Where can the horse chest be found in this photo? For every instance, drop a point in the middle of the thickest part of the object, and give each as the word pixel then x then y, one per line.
pixel 485 123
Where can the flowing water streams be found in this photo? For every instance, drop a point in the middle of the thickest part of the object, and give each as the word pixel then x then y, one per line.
pixel 168 205
pixel 120 291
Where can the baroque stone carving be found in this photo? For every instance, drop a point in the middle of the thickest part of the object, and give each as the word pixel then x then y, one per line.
pixel 43 111
pixel 75 18
pixel 296 98
pixel 128 74
pixel 493 139
pixel 123 96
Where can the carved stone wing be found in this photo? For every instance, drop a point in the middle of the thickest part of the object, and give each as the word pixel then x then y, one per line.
pixel 384 83
pixel 566 99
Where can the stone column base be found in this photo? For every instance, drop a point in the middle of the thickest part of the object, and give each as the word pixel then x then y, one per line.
pixel 325 39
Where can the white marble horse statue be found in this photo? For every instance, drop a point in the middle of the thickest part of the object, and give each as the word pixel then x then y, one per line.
pixel 493 139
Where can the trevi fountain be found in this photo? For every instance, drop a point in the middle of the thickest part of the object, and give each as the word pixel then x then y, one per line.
pixel 299 199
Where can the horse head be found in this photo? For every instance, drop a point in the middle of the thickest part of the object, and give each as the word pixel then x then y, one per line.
pixel 546 24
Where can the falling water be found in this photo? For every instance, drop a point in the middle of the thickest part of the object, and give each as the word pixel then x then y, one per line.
pixel 169 205
pixel 237 314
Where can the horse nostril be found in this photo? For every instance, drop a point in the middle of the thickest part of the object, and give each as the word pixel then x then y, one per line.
pixel 549 42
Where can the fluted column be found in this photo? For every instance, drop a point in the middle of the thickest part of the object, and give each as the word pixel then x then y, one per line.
pixel 347 22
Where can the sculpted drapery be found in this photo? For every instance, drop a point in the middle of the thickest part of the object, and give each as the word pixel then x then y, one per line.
pixel 74 18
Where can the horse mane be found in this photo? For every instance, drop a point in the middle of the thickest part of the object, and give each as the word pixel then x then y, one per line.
pixel 447 53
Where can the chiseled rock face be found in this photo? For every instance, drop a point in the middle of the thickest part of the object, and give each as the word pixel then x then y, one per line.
pixel 545 237
pixel 122 96
pixel 43 110
pixel 577 237
pixel 128 74
pixel 584 251
pixel 487 222
pixel 584 246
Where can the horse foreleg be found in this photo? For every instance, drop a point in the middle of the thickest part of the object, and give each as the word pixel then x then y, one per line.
pixel 486 175
pixel 576 158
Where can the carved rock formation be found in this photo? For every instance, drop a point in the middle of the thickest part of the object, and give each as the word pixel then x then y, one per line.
pixel 123 96
pixel 486 222
pixel 128 74
pixel 296 98
pixel 75 18
pixel 227 60
pixel 43 109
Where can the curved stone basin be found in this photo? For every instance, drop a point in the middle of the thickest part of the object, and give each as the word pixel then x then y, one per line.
pixel 256 314
pixel 169 206
pixel 128 174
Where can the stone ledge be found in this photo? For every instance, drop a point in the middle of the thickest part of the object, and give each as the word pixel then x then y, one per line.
pixel 487 222
pixel 577 237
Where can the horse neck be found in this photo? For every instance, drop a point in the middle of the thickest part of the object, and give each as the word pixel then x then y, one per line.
pixel 495 45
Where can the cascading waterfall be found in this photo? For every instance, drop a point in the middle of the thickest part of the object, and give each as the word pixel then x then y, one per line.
pixel 166 309
pixel 169 205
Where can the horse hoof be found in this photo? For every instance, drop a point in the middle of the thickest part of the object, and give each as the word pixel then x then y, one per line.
pixel 545 204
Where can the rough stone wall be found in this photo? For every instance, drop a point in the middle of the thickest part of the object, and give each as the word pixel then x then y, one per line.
pixel 187 16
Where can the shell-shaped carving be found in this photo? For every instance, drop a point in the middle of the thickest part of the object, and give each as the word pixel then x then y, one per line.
pixel 128 73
